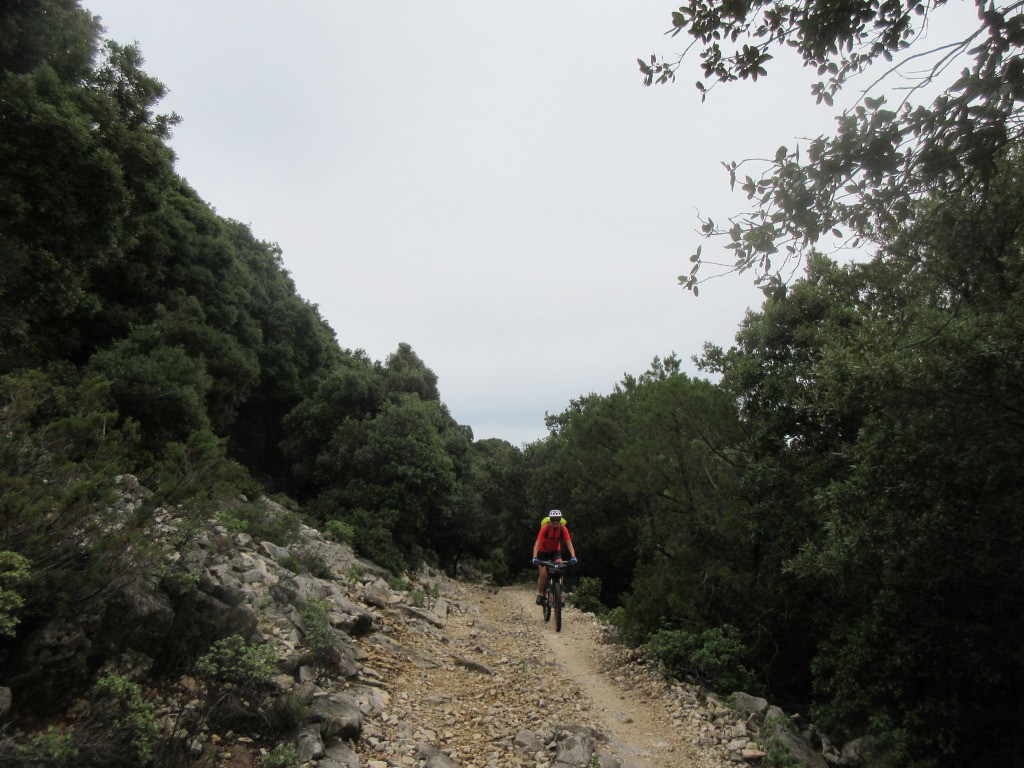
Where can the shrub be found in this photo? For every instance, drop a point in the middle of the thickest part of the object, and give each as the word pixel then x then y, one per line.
pixel 233 660
pixel 132 719
pixel 341 531
pixel 714 656
pixel 354 574
pixel 586 595
pixel 53 746
pixel 281 756
pixel 13 569
pixel 264 522
pixel 313 562
pixel 321 639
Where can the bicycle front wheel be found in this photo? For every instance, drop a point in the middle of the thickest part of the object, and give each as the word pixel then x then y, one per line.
pixel 547 605
pixel 556 597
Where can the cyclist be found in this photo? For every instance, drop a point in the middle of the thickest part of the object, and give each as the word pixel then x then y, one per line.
pixel 548 546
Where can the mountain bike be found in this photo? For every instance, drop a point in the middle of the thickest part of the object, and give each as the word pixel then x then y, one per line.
pixel 553 593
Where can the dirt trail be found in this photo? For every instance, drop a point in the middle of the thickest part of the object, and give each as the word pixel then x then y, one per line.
pixel 497 673
pixel 641 725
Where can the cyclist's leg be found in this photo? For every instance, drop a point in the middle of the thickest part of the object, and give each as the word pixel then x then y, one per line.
pixel 542 580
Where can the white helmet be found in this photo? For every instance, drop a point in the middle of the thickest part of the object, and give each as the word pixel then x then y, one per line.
pixel 555 514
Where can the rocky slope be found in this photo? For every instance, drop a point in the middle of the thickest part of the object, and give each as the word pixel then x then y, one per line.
pixel 366 670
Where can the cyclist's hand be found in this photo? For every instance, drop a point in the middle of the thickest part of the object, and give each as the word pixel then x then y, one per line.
pixel 572 561
pixel 536 561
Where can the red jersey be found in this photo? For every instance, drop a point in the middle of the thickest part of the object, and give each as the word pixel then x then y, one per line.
pixel 550 538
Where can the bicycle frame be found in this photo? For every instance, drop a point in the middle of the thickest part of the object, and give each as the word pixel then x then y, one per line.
pixel 553 599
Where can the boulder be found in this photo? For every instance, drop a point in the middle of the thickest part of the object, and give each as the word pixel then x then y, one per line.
pixel 338 716
pixel 200 621
pixel 575 750
pixel 138 618
pixel 377 593
pixel 528 743
pixel 432 757
pixel 309 744
pixel 778 727
pixel 339 755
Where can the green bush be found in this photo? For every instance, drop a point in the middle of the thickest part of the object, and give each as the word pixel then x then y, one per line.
pixel 52 746
pixel 320 636
pixel 281 756
pixel 13 569
pixel 233 660
pixel 354 574
pixel 133 720
pixel 714 656
pixel 313 562
pixel 341 531
pixel 263 522
pixel 586 595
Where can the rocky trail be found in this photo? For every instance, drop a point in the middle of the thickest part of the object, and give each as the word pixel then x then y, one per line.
pixel 492 685
pixel 375 671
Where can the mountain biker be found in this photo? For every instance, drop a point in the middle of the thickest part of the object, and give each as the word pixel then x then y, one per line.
pixel 548 546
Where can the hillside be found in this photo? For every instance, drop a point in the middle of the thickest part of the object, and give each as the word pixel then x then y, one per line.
pixel 258 662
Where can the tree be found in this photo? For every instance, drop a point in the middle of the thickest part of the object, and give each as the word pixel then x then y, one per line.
pixel 647 477
pixel 403 482
pixel 405 372
pixel 883 157
pixel 82 155
pixel 883 406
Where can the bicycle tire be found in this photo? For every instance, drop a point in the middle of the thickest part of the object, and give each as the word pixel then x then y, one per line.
pixel 556 596
pixel 547 605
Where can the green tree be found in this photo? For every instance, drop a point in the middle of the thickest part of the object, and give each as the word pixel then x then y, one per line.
pixel 648 478
pixel 883 156
pixel 81 154
pixel 405 472
pixel 495 527
pixel 405 373
pixel 62 451
pixel 882 401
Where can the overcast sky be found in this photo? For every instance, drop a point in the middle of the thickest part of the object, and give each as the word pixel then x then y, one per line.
pixel 490 183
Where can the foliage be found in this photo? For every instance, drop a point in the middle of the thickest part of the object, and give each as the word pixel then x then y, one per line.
pixel 263 521
pixel 63 450
pixel 14 569
pixel 234 661
pixel 51 746
pixel 313 562
pixel 133 720
pixel 886 449
pixel 648 477
pixel 321 638
pixel 341 531
pixel 714 656
pixel 281 756
pixel 354 574
pixel 883 157
pixel 587 595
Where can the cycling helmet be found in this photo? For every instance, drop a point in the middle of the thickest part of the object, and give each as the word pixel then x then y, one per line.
pixel 555 514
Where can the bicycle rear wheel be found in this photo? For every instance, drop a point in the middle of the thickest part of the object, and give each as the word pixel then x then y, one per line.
pixel 556 597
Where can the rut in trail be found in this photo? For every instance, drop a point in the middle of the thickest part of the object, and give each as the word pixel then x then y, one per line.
pixel 492 686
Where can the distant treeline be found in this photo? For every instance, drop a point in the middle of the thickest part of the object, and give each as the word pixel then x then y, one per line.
pixel 833 518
